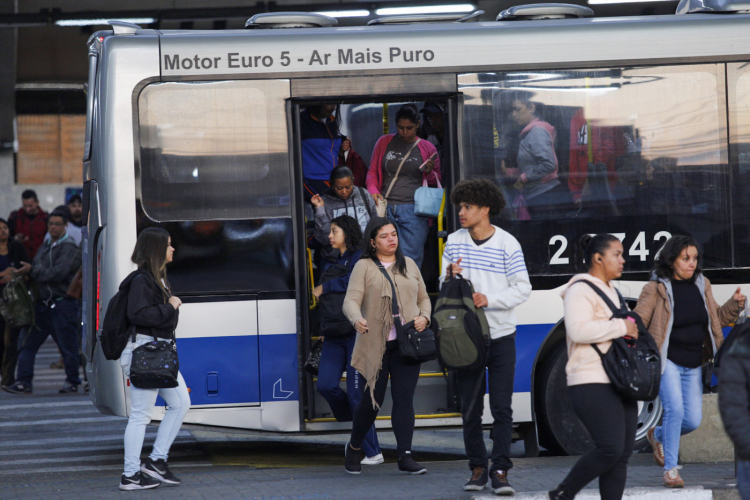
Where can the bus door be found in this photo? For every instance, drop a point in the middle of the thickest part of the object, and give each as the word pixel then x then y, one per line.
pixel 214 172
pixel 364 121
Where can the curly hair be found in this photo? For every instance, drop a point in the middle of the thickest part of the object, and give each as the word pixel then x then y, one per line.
pixel 352 231
pixel 670 252
pixel 480 192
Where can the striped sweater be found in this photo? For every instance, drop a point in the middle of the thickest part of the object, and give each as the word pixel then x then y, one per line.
pixel 496 269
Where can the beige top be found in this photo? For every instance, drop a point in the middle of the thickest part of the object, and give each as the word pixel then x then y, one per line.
pixel 587 321
pixel 369 296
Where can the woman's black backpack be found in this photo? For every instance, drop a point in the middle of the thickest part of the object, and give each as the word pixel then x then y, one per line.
pixel 333 322
pixel 632 365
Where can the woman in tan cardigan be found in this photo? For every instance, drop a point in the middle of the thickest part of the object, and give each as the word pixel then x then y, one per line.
pixel 678 308
pixel 610 419
pixel 375 357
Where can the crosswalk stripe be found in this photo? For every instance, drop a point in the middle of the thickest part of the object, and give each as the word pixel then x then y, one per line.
pixel 116 454
pixel 37 471
pixel 118 436
pixel 60 421
pixel 46 405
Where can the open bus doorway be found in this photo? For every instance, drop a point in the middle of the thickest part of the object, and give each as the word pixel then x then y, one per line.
pixel 363 122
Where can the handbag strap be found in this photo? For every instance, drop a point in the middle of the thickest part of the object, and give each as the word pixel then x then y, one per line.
pixel 394 298
pixel 395 177
pixel 424 182
pixel 607 301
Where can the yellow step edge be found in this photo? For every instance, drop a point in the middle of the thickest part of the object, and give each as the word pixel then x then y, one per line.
pixel 421 375
pixel 421 416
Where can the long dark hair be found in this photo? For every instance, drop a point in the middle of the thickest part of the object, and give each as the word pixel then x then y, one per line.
pixel 150 254
pixel 352 231
pixel 592 245
pixel 670 252
pixel 368 247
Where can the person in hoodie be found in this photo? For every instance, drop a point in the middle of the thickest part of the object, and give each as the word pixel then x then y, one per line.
pixel 540 191
pixel 679 310
pixel 153 311
pixel 610 419
pixel 342 198
pixel 345 239
pixel 56 313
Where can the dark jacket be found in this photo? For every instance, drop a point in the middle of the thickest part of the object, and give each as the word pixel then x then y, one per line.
pixel 321 143
pixel 347 260
pixel 54 267
pixel 35 229
pixel 335 280
pixel 734 394
pixel 16 254
pixel 148 310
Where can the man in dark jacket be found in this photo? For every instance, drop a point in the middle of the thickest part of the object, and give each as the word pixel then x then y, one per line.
pixel 56 313
pixel 734 405
pixel 28 224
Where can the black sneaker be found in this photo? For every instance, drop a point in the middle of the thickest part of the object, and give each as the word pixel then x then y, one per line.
pixel 137 481
pixel 407 464
pixel 478 480
pixel 18 388
pixel 159 470
pixel 68 388
pixel 353 457
pixel 500 484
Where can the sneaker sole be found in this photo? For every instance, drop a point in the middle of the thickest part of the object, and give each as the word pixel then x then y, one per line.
pixel 134 487
pixel 505 490
pixel 474 488
pixel 353 472
pixel 415 473
pixel 16 392
pixel 674 485
pixel 377 462
pixel 159 477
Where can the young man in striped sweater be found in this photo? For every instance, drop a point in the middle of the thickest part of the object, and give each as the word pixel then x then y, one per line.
pixel 493 261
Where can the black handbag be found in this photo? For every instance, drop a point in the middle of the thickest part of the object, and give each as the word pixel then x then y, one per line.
pixel 155 365
pixel 313 359
pixel 632 365
pixel 414 346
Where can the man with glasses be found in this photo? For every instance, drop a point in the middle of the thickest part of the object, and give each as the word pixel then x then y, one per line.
pixel 53 269
pixel 342 198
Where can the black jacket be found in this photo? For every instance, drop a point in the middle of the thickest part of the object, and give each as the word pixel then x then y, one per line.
pixel 148 310
pixel 734 394
pixel 54 267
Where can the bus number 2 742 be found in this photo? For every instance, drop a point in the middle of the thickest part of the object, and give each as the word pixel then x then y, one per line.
pixel 638 248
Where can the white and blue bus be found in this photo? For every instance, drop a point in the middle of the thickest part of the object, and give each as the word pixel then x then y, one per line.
pixel 197 132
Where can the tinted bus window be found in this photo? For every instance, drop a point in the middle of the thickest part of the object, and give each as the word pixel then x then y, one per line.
pixel 216 150
pixel 738 83
pixel 638 152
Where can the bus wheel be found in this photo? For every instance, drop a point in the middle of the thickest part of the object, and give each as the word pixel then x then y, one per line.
pixel 560 430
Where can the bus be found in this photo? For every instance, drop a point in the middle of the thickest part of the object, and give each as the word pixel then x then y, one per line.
pixel 198 132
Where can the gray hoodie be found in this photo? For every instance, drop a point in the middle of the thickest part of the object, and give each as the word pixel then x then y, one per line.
pixel 54 267
pixel 360 206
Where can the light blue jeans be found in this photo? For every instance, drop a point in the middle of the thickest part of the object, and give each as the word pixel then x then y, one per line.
pixel 412 231
pixel 681 394
pixel 141 408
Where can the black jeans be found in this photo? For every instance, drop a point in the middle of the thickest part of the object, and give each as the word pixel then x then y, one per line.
pixel 404 378
pixel 611 422
pixel 501 368
pixel 10 354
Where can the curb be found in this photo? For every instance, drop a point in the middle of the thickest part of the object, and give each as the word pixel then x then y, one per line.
pixel 691 493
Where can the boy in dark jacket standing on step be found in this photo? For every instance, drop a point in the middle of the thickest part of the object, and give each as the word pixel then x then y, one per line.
pixel 493 261
pixel 56 313
pixel 734 405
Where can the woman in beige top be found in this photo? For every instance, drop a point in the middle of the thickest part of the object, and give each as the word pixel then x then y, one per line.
pixel 368 306
pixel 610 419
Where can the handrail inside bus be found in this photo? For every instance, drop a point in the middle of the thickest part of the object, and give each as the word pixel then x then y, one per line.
pixel 313 299
pixel 441 228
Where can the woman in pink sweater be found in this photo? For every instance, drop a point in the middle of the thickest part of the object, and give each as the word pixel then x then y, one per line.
pixel 610 419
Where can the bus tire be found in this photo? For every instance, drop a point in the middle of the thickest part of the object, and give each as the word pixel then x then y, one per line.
pixel 560 430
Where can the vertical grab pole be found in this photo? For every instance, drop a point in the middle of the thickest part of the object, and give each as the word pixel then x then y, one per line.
pixel 441 229
pixel 385 119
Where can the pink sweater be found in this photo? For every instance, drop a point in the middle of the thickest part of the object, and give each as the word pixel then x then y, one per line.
pixel 375 173
pixel 587 321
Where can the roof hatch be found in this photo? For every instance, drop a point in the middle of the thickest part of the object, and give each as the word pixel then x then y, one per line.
pixel 539 11
pixel 271 20
pixel 426 18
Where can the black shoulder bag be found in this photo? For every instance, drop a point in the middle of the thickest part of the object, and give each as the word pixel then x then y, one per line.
pixel 632 365
pixel 414 346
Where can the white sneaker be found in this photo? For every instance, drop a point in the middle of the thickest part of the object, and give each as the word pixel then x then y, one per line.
pixel 376 460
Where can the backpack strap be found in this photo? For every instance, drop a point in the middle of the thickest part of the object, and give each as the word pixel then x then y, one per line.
pixel 604 297
pixel 363 194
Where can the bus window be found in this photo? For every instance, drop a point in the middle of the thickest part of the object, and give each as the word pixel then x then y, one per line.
pixel 638 152
pixel 738 83
pixel 216 150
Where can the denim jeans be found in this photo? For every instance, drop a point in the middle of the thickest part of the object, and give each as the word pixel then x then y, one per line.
pixel 743 478
pixel 59 319
pixel 334 359
pixel 412 231
pixel 681 394
pixel 501 368
pixel 142 407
